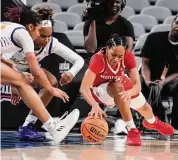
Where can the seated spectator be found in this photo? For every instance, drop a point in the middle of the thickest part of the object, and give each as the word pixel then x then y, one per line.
pixel 160 65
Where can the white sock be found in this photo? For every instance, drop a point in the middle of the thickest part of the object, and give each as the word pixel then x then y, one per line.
pixel 30 119
pixel 129 124
pixel 49 124
pixel 152 120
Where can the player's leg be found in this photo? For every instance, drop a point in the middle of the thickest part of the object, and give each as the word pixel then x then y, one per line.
pixel 46 97
pixel 133 137
pixel 33 101
pixel 152 122
pixel 28 131
pixel 43 93
pixel 105 93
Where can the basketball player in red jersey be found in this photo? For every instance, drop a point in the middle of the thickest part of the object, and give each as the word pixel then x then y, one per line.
pixel 105 82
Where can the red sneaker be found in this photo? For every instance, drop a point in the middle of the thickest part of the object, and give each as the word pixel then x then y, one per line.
pixel 133 137
pixel 163 128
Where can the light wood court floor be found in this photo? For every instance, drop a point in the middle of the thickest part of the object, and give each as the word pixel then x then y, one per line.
pixel 155 147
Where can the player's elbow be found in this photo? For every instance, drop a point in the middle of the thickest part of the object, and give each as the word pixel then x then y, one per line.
pixel 83 89
pixel 81 62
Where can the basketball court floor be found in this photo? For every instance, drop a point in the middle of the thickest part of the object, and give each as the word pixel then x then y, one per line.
pixel 155 147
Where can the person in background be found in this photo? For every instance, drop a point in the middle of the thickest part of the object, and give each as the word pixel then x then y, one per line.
pixel 160 65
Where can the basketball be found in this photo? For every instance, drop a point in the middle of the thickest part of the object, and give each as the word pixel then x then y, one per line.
pixel 94 130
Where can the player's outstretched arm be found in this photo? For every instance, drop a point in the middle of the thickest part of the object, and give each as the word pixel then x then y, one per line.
pixel 87 82
pixel 41 78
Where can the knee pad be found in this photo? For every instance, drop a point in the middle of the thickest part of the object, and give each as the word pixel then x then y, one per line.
pixel 138 101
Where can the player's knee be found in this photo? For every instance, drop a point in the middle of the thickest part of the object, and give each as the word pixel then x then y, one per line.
pixel 53 81
pixel 18 80
pixel 114 88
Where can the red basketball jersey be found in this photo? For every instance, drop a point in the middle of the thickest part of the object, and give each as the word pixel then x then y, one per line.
pixel 104 72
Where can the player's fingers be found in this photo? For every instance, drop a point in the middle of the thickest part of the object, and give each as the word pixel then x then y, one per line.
pixel 65 78
pixel 90 114
pixel 96 115
pixel 100 115
pixel 65 94
pixel 63 99
pixel 18 100
pixel 14 100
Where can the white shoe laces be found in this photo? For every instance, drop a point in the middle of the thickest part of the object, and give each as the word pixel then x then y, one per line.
pixel 57 120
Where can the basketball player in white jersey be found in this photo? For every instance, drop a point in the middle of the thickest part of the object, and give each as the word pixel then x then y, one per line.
pixel 16 37
pixel 45 45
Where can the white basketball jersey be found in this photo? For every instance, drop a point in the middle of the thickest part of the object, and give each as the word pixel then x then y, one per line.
pixel 8 45
pixel 19 57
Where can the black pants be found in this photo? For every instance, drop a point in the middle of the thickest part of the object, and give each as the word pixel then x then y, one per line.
pixel 170 89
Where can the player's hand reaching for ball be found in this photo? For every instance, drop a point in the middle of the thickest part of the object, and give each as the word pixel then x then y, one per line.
pixel 96 111
pixel 15 96
pixel 59 93
pixel 126 96
pixel 66 78
pixel 29 77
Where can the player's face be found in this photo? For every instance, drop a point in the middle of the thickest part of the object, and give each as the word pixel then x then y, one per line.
pixel 115 55
pixel 175 28
pixel 45 37
pixel 34 31
pixel 114 6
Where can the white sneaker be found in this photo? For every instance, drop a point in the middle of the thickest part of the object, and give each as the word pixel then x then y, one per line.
pixel 119 127
pixel 64 126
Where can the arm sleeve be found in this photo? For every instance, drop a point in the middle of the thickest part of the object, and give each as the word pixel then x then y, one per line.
pixel 23 39
pixel 146 50
pixel 96 64
pixel 69 55
pixel 129 60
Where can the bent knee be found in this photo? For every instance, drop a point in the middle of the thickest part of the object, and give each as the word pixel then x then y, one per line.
pixel 53 81
pixel 114 88
pixel 19 80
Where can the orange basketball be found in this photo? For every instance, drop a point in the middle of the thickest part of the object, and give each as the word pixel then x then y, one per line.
pixel 94 130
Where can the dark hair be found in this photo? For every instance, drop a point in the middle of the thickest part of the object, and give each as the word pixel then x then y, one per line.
pixel 45 14
pixel 24 17
pixel 116 40
pixel 13 14
pixel 123 4
pixel 174 19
